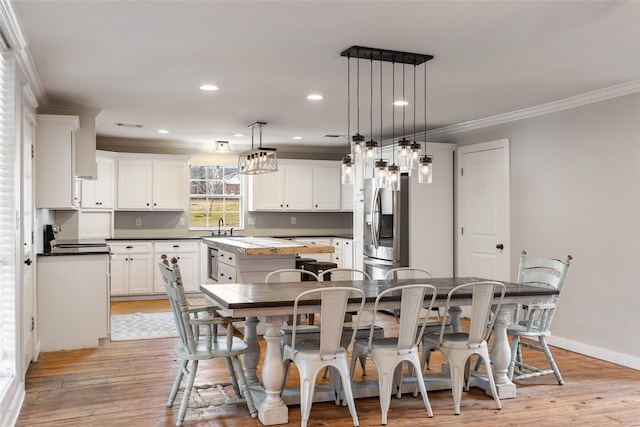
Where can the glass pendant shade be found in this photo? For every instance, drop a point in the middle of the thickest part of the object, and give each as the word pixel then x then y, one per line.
pixel 358 147
pixel 380 173
pixel 404 154
pixel 415 154
pixel 393 177
pixel 425 169
pixel 347 170
pixel 370 152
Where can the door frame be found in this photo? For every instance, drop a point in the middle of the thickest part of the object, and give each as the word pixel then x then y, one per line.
pixel 479 147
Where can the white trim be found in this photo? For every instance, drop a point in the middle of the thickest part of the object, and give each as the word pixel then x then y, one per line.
pixel 595 352
pixel 552 107
pixel 10 418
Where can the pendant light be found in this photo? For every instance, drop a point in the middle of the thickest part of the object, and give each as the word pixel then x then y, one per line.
pixel 425 161
pixel 358 139
pixel 347 169
pixel 371 145
pixel 380 170
pixel 415 146
pixel 257 160
pixel 393 172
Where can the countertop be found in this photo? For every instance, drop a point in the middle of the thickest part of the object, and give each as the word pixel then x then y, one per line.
pixel 99 250
pixel 265 246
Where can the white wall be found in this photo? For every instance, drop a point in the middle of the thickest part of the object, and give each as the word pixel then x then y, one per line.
pixel 575 189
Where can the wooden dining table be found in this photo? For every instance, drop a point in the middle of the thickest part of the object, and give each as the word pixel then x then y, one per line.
pixel 272 304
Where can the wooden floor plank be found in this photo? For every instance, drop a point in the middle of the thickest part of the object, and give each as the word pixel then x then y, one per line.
pixel 127 383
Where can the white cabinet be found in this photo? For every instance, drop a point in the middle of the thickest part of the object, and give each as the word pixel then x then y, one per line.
pixel 327 187
pixel 188 256
pixel 343 255
pixel 240 268
pixel 145 183
pixel 132 266
pixel 55 162
pixel 298 186
pixel 98 193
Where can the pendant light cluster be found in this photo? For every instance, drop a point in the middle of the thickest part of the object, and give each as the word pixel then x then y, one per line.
pixel 257 160
pixel 368 153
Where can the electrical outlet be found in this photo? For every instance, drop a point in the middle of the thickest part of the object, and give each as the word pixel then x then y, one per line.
pixel 252 220
pixel 138 222
pixel 293 220
pixel 181 220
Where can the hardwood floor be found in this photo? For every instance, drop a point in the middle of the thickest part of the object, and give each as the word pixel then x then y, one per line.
pixel 127 383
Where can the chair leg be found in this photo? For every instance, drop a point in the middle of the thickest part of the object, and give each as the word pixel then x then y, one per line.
pixel 246 392
pixel 176 383
pixel 307 386
pixel 515 349
pixel 348 392
pixel 552 362
pixel 385 386
pixel 232 375
pixel 187 393
pixel 492 383
pixel 420 385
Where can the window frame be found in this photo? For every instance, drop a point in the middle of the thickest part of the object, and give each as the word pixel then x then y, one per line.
pixel 221 195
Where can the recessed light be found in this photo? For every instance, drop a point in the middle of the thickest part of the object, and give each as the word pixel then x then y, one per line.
pixel 163 131
pixel 296 137
pixel 209 87
pixel 401 103
pixel 238 134
pixel 315 97
pixel 128 125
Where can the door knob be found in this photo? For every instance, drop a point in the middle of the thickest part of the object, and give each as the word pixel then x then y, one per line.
pixel 500 246
pixel 28 261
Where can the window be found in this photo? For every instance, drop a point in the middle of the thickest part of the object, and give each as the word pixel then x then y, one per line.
pixel 215 193
pixel 8 191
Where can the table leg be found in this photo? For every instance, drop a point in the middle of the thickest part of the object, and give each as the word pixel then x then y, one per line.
pixel 454 315
pixel 501 352
pixel 251 358
pixel 271 408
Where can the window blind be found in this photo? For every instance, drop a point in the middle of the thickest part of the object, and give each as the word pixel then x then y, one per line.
pixel 8 212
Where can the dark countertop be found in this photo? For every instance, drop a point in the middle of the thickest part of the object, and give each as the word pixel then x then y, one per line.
pixel 128 239
pixel 94 250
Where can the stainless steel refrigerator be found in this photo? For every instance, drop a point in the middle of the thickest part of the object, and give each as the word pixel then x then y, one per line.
pixel 386 228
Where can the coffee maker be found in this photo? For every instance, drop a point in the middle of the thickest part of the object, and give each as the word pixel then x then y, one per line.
pixel 50 231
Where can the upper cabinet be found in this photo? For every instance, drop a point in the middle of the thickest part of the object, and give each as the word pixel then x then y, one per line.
pixel 298 186
pixel 98 193
pixel 151 183
pixel 55 162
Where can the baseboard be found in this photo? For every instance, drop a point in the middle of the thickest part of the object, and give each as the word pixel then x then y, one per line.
pixel 597 352
pixel 10 418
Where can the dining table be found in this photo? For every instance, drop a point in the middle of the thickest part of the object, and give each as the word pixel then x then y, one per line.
pixel 272 304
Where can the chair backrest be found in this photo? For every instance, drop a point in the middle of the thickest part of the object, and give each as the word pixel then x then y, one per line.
pixel 412 302
pixel 541 272
pixel 333 306
pixel 482 301
pixel 175 291
pixel 401 273
pixel 338 274
pixel 290 275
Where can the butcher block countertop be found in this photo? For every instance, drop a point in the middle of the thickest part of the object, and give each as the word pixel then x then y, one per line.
pixel 265 246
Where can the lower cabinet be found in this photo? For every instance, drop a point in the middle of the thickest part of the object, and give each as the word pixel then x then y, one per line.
pixel 134 266
pixel 240 268
pixel 188 257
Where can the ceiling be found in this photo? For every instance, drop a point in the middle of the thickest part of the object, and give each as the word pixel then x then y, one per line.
pixel 142 62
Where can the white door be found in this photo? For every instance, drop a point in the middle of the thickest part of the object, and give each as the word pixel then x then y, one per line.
pixel 28 293
pixel 483 210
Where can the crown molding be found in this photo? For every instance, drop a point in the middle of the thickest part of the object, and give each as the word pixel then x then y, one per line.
pixel 623 89
pixel 15 38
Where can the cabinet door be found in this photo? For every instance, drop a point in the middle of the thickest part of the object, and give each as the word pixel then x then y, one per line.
pixel 140 273
pixel 119 275
pixel 99 193
pixel 298 188
pixel 266 192
pixel 347 253
pixel 346 197
pixel 134 183
pixel 326 188
pixel 169 185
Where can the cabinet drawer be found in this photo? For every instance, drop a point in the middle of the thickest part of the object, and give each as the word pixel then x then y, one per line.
pixel 175 246
pixel 226 273
pixel 131 247
pixel 226 257
pixel 337 243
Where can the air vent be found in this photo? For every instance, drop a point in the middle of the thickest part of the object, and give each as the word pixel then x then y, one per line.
pixel 333 135
pixel 128 125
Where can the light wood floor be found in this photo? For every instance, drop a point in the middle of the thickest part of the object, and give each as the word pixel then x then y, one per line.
pixel 127 383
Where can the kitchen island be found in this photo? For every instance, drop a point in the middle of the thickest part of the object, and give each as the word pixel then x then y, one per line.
pixel 250 259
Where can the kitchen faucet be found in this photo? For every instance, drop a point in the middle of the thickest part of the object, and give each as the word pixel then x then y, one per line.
pixel 220 223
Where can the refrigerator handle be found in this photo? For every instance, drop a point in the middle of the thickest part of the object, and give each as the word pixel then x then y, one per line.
pixel 375 218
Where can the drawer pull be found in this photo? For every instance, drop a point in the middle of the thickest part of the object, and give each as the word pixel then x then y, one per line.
pixel 129 247
pixel 176 246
